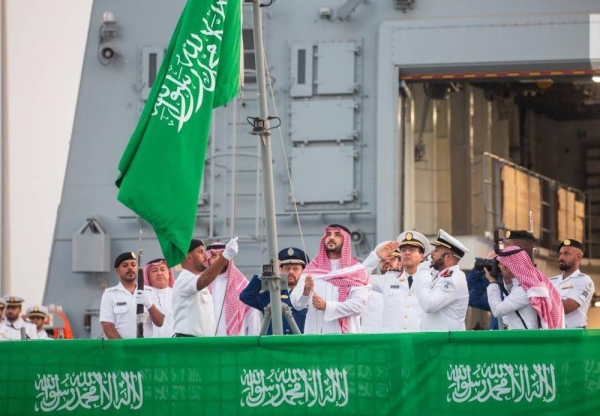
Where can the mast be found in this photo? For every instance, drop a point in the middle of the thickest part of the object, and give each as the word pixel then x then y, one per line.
pixel 262 128
pixel 4 176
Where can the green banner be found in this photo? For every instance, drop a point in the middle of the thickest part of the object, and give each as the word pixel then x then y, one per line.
pixel 483 372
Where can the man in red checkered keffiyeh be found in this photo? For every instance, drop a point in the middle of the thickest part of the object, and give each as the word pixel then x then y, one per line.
pixel 157 262
pixel 232 316
pixel 160 277
pixel 335 287
pixel 542 294
pixel 335 250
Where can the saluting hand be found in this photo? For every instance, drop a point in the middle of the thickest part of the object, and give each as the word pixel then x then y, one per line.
pixel 318 302
pixel 385 250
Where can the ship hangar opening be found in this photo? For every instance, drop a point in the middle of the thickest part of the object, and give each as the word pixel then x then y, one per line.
pixel 540 129
pixel 496 123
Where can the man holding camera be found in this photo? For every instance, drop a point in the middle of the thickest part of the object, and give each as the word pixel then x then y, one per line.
pixel 533 302
pixel 477 281
pixel 576 289
pixel 445 300
pixel 514 309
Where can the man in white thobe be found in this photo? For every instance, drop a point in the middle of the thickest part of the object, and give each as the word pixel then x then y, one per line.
pixel 335 287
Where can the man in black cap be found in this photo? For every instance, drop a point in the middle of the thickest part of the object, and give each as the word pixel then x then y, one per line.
pixel 193 306
pixel 292 262
pixel 478 283
pixel 576 288
pixel 119 303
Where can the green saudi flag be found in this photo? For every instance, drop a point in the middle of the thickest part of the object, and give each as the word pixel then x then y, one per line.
pixel 161 168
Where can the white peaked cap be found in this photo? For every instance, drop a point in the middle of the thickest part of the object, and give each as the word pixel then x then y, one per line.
pixel 37 310
pixel 446 240
pixel 416 239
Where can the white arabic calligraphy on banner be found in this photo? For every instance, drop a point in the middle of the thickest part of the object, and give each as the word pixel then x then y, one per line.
pixel 89 390
pixel 295 386
pixel 182 91
pixel 501 382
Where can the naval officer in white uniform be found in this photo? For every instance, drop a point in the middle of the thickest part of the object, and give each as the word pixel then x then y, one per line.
pixel 3 330
pixel 401 309
pixel 576 288
pixel 13 320
pixel 118 307
pixel 445 300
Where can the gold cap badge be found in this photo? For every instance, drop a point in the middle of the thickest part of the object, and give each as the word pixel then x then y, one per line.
pixel 567 242
pixel 409 236
pixel 507 234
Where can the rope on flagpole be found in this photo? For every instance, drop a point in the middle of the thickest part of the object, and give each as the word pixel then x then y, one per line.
pixel 289 176
pixel 285 159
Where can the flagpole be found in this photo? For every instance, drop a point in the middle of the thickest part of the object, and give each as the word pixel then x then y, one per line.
pixel 262 128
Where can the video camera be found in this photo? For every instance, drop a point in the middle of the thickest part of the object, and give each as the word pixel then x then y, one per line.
pixel 492 264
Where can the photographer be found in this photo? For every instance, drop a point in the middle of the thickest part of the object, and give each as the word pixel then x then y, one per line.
pixel 533 301
pixel 476 280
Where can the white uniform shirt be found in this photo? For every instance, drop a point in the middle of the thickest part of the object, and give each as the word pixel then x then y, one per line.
pixel 119 308
pixel 327 321
pixel 516 300
pixel 444 301
pixel 13 330
pixel 371 320
pixel 163 301
pixel 193 310
pixel 3 332
pixel 579 287
pixel 251 319
pixel 42 334
pixel 401 309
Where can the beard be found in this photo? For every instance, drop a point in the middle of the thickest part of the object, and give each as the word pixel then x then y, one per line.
pixel 11 316
pixel 129 277
pixel 564 266
pixel 332 247
pixel 335 249
pixel 292 281
pixel 438 264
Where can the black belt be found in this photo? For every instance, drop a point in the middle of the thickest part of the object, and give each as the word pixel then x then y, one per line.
pixel 183 336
